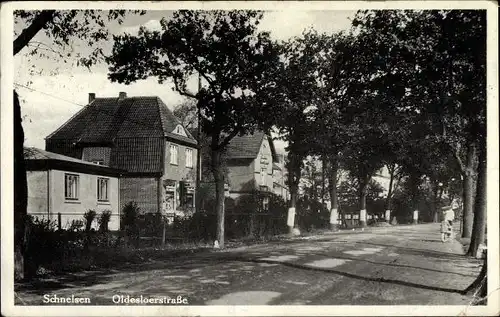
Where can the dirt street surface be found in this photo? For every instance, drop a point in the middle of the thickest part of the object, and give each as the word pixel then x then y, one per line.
pixel 401 265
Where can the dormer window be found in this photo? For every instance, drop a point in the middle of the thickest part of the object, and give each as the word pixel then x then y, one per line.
pixel 179 130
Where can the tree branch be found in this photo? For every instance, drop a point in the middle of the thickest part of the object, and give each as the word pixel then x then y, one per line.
pixel 456 154
pixel 182 92
pixel 39 22
pixel 228 138
pixel 48 49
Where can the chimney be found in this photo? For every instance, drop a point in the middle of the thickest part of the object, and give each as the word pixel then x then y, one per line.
pixel 122 95
pixel 91 96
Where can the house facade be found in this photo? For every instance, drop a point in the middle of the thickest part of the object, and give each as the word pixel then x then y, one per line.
pixel 141 136
pixel 279 177
pixel 252 165
pixel 62 188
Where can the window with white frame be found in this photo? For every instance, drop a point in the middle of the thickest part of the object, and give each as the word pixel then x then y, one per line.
pixel 102 189
pixel 71 186
pixel 189 158
pixel 265 203
pixel 263 172
pixel 174 151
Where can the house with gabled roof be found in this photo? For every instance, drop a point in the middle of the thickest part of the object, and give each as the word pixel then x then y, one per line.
pixel 141 136
pixel 252 164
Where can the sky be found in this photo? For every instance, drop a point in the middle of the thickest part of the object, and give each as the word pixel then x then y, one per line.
pixel 58 90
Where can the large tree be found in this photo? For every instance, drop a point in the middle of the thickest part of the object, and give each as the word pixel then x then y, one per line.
pixel 443 54
pixel 364 153
pixel 293 92
pixel 335 75
pixel 230 55
pixel 60 28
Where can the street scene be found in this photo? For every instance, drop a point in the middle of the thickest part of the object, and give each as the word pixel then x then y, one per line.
pixel 252 157
pixel 404 265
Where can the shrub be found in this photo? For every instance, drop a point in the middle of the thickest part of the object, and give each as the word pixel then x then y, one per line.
pixel 130 221
pixel 151 224
pixel 103 220
pixel 76 225
pixel 89 218
pixel 40 244
pixel 130 215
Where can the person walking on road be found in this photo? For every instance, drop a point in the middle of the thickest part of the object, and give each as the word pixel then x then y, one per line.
pixel 448 215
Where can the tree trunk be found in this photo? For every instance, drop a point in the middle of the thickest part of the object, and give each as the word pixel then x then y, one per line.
pixel 414 182
pixel 332 186
pixel 435 202
pixel 480 286
pixel 294 189
pixel 20 196
pixel 388 202
pixel 479 226
pixel 363 192
pixel 468 192
pixel 294 169
pixel 323 178
pixel 218 173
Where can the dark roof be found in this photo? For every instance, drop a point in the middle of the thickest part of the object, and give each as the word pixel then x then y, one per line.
pixel 248 146
pixel 37 159
pixel 139 155
pixel 106 119
pixel 134 127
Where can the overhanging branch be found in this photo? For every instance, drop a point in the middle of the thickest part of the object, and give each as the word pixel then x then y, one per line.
pixel 183 92
pixel 39 22
pixel 228 138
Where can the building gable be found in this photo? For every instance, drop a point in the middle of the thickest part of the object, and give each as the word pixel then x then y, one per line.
pixel 132 128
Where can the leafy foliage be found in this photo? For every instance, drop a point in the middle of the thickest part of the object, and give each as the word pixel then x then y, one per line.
pixel 130 215
pixel 228 54
pixel 223 47
pixel 63 29
pixel 103 220
pixel 89 216
pixel 439 58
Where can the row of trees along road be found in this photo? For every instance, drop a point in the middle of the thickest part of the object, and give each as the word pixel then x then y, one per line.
pixel 416 95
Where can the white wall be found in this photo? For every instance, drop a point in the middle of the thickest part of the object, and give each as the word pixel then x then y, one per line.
pixel 38 196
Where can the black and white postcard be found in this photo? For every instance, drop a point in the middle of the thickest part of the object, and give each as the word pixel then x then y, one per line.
pixel 249 158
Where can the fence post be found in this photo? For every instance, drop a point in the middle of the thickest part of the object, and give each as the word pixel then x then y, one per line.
pixel 59 221
pixel 164 233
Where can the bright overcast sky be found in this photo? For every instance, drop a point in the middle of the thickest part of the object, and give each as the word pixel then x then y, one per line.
pixel 44 113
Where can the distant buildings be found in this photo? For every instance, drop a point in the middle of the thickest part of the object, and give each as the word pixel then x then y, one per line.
pixel 254 166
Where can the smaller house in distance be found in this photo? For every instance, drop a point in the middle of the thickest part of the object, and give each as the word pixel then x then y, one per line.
pixel 59 184
pixel 279 177
pixel 250 162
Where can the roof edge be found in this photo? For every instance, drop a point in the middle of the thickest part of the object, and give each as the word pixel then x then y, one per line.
pixel 67 121
pixel 70 166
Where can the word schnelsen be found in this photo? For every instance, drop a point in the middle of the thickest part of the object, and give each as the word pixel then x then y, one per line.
pixel 127 299
pixel 54 299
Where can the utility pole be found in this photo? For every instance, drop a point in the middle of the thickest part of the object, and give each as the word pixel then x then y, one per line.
pixel 198 153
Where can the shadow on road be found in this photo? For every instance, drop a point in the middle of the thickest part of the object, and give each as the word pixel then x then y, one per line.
pixel 350 275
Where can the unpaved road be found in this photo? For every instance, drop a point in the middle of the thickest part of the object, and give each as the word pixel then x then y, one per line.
pixel 402 265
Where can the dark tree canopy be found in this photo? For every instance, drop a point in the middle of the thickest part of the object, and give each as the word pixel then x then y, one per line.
pixel 224 48
pixel 64 28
